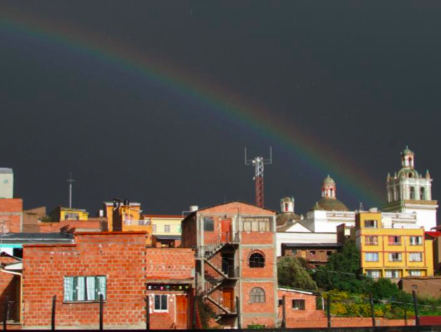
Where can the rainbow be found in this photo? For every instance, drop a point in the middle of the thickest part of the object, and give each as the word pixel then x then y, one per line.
pixel 228 104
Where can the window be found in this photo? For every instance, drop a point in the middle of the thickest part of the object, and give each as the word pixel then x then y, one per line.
pixel 422 193
pixel 394 240
pixel 298 304
pixel 371 240
pixel 371 257
pixel 416 257
pixel 256 224
pixel 395 257
pixel 370 224
pixel 416 240
pixel 373 273
pixel 392 273
pixel 154 228
pixel 257 295
pixel 257 260
pixel 412 193
pixel 208 224
pixel 312 253
pixel 328 253
pixel 294 252
pixel 84 288
pixel 161 303
pixel 166 228
pixel 415 273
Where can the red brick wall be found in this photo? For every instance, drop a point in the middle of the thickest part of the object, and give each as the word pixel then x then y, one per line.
pixel 119 256
pixel 266 272
pixel 189 233
pixel 168 320
pixel 170 263
pixel 9 287
pixel 257 237
pixel 11 212
pixel 69 226
pixel 267 306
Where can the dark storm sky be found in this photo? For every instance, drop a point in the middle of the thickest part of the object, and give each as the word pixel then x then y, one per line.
pixel 362 77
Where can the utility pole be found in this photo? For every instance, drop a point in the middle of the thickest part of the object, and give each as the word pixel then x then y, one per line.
pixel 258 164
pixel 70 180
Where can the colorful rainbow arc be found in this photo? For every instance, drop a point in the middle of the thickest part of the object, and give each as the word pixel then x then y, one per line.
pixel 252 116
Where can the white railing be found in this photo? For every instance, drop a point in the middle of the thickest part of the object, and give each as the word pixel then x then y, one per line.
pixel 141 222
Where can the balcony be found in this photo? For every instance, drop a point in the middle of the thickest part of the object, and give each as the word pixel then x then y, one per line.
pixel 141 222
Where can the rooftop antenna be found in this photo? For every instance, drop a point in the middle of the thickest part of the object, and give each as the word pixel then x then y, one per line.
pixel 70 180
pixel 361 206
pixel 258 164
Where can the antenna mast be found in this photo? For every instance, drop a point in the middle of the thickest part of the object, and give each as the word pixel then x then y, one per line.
pixel 70 180
pixel 258 164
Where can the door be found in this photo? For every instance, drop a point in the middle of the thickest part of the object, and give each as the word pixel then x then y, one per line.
pixel 181 312
pixel 226 230
pixel 228 298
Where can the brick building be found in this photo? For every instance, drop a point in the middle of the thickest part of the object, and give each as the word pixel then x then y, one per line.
pixel 116 265
pixel 236 259
pixel 11 215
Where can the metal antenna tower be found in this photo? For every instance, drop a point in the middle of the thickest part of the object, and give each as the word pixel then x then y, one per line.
pixel 258 164
pixel 70 180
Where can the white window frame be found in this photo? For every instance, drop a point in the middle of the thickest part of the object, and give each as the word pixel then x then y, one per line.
pixel 373 273
pixel 167 228
pixel 392 274
pixel 413 254
pixel 415 273
pixel 80 290
pixel 374 258
pixel 416 240
pixel 161 297
pixel 399 259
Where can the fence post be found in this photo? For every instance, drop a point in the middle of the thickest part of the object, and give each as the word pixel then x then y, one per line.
pixel 283 313
pixel 329 309
pixel 415 304
pixel 405 314
pixel 5 317
pixel 54 303
pixel 101 311
pixel 239 323
pixel 147 313
pixel 371 301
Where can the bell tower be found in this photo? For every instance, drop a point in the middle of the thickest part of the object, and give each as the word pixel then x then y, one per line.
pixel 329 188
pixel 410 192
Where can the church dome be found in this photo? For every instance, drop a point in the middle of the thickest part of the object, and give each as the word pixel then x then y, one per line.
pixel 408 173
pixel 407 151
pixel 328 181
pixel 330 204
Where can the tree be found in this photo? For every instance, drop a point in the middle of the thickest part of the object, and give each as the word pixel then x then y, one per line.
pixel 343 271
pixel 292 274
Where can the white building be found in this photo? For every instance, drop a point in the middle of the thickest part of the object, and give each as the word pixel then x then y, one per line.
pixel 409 192
pixel 6 183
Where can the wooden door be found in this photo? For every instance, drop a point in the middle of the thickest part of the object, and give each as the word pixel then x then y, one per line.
pixel 228 296
pixel 181 312
pixel 226 230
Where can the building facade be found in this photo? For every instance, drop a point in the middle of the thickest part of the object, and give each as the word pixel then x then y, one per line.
pixel 6 183
pixel 391 252
pixel 236 267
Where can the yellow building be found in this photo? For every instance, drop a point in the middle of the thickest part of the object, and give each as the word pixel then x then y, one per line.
pixel 391 252
pixel 166 229
pixel 64 213
pixel 126 216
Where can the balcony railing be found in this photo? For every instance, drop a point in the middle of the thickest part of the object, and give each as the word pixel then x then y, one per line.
pixel 141 222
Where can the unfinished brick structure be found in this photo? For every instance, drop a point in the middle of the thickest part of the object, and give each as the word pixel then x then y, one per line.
pixel 236 259
pixel 118 257
pixel 11 215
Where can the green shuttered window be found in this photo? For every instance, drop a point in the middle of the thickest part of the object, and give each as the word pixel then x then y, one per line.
pixel 84 288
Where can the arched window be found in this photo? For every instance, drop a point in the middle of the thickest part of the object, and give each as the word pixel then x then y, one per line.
pixel 412 193
pixel 257 260
pixel 257 295
pixel 422 193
